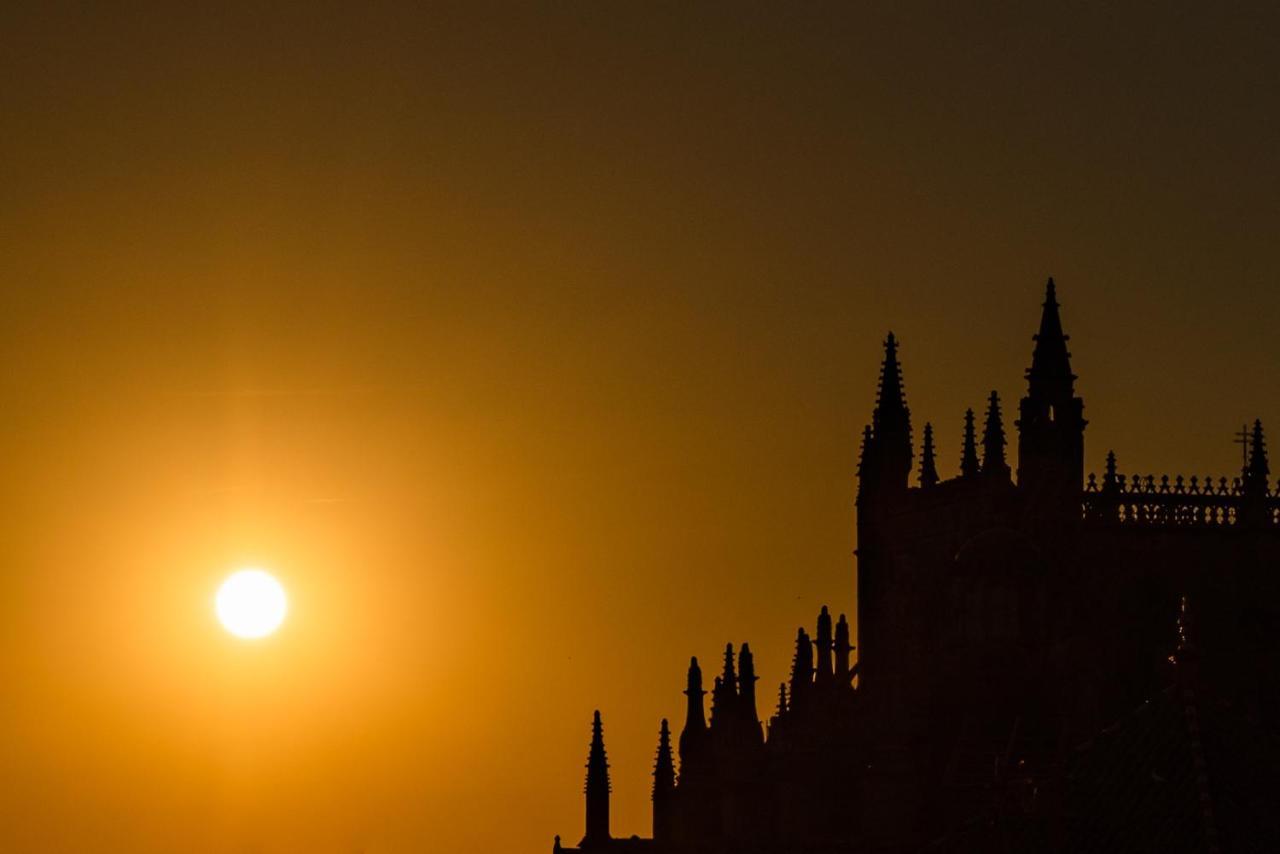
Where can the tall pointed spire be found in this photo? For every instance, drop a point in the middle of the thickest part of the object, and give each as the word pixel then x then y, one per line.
pixel 664 787
pixel 928 468
pixel 969 451
pixel 993 462
pixel 597 788
pixel 890 424
pixel 1050 371
pixel 1051 423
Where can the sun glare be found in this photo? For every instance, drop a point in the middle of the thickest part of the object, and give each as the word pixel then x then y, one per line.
pixel 251 604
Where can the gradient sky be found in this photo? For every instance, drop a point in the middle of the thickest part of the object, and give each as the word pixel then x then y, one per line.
pixel 531 350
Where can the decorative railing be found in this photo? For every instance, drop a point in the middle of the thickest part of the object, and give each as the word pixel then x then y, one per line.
pixel 1182 503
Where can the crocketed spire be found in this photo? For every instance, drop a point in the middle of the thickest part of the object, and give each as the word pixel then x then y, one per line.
pixel 597 788
pixel 891 422
pixel 993 461
pixel 664 767
pixel 782 699
pixel 664 787
pixel 1050 372
pixel 1051 423
pixel 928 468
pixel 969 452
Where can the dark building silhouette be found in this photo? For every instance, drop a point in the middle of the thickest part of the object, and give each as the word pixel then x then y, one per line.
pixel 1045 662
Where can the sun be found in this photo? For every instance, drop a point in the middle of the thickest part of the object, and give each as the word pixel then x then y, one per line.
pixel 251 604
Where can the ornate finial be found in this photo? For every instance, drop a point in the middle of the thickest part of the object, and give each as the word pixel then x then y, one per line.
pixel 782 699
pixel 928 468
pixel 993 462
pixel 969 452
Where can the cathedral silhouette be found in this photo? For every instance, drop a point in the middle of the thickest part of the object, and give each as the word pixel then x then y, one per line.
pixel 1045 662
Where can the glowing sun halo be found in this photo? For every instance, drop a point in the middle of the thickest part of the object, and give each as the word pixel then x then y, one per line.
pixel 251 604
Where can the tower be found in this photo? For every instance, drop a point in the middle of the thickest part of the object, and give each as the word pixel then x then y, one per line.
pixel 1051 423
pixel 597 789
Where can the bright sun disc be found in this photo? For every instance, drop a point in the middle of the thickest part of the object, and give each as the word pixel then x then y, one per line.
pixel 251 604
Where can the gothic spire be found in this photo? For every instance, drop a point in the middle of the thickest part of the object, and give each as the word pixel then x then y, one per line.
pixel 928 469
pixel 1051 424
pixel 664 786
pixel 664 768
pixel 891 422
pixel 993 462
pixel 1050 372
pixel 597 788
pixel 782 699
pixel 969 452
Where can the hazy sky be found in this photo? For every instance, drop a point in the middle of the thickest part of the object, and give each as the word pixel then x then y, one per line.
pixel 531 350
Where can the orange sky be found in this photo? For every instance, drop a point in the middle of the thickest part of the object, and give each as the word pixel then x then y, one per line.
pixel 531 351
